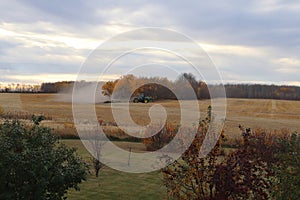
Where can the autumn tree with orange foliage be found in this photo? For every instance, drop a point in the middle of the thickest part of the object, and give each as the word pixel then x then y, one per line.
pixel 108 87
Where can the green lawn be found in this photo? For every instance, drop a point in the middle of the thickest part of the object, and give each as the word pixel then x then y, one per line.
pixel 112 184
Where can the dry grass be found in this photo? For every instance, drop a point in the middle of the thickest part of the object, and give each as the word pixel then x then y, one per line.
pixel 261 113
pixel 254 113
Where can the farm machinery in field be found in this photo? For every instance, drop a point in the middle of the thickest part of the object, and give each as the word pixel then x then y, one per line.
pixel 142 98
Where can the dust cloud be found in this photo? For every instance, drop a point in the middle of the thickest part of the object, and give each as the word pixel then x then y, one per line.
pixel 85 94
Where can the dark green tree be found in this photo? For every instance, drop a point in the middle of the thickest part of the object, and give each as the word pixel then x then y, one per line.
pixel 35 165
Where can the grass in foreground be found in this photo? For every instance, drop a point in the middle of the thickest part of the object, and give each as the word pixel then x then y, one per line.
pixel 112 184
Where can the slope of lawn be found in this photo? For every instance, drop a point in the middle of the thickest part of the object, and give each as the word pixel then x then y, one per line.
pixel 112 184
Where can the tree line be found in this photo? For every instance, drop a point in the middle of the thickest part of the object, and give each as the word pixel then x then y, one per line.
pixel 163 88
pixel 20 88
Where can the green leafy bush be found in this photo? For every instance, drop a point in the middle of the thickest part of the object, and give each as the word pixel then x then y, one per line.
pixel 287 169
pixel 34 165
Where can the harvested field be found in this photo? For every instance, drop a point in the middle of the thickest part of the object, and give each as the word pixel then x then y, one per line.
pixel 254 113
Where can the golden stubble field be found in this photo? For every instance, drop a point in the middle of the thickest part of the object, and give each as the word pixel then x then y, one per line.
pixel 254 113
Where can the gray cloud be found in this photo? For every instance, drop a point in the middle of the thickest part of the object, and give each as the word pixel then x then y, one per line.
pixel 238 22
pixel 41 37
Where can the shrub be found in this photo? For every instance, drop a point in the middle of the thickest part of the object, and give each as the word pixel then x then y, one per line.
pixel 264 165
pixel 23 115
pixel 34 165
pixel 2 112
pixel 287 169
pixel 192 176
pixel 246 173
pixel 160 138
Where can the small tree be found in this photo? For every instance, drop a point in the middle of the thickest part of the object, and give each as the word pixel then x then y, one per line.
pixel 96 143
pixel 34 165
pixel 192 176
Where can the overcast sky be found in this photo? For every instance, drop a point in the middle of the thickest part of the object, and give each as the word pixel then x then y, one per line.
pixel 248 40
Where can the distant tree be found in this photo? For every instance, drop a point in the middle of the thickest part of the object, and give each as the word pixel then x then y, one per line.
pixel 192 80
pixel 61 86
pixel 48 88
pixel 124 86
pixel 203 92
pixel 108 88
pixel 183 84
pixel 34 165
